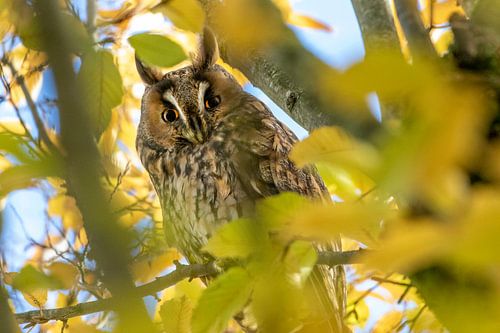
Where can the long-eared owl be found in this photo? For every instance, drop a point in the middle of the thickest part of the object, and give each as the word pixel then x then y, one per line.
pixel 212 150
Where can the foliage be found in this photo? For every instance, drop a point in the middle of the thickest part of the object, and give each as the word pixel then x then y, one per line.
pixel 423 193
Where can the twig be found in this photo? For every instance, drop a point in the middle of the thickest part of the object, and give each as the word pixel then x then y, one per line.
pixel 42 133
pixel 384 280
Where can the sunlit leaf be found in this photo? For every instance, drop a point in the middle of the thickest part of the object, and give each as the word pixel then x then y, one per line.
pixel 304 21
pixel 157 50
pixel 184 14
pixel 388 323
pixel 23 176
pixel 176 315
pixel 65 273
pixel 102 87
pixel 146 269
pixel 237 239
pixel 65 207
pixel 334 146
pixel 300 259
pixel 221 301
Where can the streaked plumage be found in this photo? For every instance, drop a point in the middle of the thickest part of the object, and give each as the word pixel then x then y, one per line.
pixel 212 150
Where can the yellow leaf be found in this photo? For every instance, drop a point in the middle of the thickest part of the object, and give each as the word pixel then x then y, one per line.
pixel 408 246
pixel 36 297
pixel 388 323
pixel 184 14
pixel 145 269
pixel 307 22
pixel 67 274
pixel 443 41
pixel 65 207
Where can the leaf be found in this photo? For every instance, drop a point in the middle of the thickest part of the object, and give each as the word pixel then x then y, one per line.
pixel 102 87
pixel 157 50
pixel 176 315
pixel 29 279
pixel 334 146
pixel 65 273
pixel 305 21
pixel 388 323
pixel 223 298
pixel 184 14
pixel 146 269
pixel 23 176
pixel 65 207
pixel 300 259
pixel 31 36
pixel 237 239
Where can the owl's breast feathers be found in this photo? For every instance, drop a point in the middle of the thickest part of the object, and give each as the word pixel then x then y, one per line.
pixel 204 185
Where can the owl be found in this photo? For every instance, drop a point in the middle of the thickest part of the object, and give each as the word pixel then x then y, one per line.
pixel 212 150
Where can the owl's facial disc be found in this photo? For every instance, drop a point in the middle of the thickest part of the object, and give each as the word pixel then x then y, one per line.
pixel 190 122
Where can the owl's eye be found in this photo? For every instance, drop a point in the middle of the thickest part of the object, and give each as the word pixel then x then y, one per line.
pixel 212 102
pixel 169 115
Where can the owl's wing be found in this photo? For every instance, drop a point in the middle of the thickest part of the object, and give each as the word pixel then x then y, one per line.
pixel 263 145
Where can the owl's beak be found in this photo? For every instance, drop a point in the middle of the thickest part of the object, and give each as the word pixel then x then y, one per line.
pixel 196 130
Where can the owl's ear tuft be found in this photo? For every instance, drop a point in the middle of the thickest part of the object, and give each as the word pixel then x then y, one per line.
pixel 148 74
pixel 208 51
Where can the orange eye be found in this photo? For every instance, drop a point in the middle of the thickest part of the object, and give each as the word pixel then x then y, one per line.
pixel 169 115
pixel 212 102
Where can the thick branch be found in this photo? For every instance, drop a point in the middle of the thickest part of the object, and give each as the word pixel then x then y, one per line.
pixel 108 239
pixel 417 36
pixel 291 76
pixel 6 318
pixel 377 25
pixel 182 272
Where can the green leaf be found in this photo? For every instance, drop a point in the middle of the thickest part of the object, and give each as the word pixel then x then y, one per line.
pixel 31 37
pixel 176 315
pixel 30 279
pixel 278 210
pixel 223 298
pixel 102 87
pixel 184 14
pixel 157 50
pixel 237 239
pixel 22 176
pixel 300 259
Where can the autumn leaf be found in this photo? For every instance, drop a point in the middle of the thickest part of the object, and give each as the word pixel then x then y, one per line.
pixel 157 50
pixel 102 87
pixel 146 269
pixel 176 315
pixel 184 14
pixel 223 298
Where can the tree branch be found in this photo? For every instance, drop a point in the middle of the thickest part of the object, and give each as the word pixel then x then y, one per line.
pixel 182 272
pixel 291 76
pixel 109 240
pixel 6 318
pixel 377 25
pixel 417 36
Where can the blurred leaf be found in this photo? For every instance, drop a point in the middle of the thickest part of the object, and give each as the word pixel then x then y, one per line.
pixel 29 65
pixel 442 44
pixel 176 315
pixel 304 21
pixel 65 207
pixel 157 50
pixel 334 146
pixel 146 269
pixel 409 246
pixel 300 259
pixel 65 273
pixel 388 323
pixel 31 35
pixel 102 87
pixel 184 14
pixel 30 279
pixel 277 211
pixel 358 314
pixel 237 239
pixel 23 176
pixel 223 298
